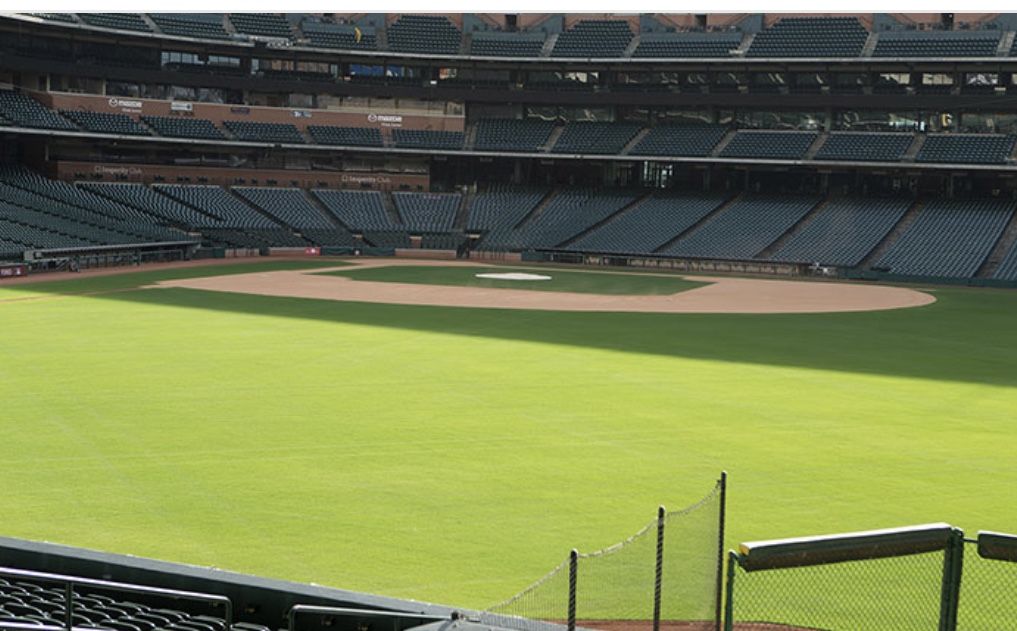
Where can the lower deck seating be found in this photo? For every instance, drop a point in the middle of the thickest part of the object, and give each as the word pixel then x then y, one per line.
pixel 745 228
pixel 145 199
pixel 950 238
pixel 242 223
pixel 291 208
pixel 564 217
pixel 359 211
pixel 495 212
pixel 428 212
pixel 651 224
pixel 844 231
pixel 1007 269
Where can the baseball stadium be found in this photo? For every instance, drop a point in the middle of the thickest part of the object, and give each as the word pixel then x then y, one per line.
pixel 508 322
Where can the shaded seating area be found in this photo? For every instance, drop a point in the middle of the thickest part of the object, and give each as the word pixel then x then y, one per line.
pixel 499 134
pixel 427 212
pixel 261 24
pixel 650 224
pixel 24 111
pixel 774 145
pixel 594 38
pixel 844 230
pixel 810 37
pixel 197 25
pixel 595 137
pixel 119 21
pixel 424 34
pixel 966 148
pixel 358 210
pixel 567 215
pixel 686 45
pixel 745 228
pixel 106 123
pixel 865 147
pixel 680 140
pixel 264 132
pixel 345 136
pixel 291 208
pixel 239 222
pixel 338 36
pixel 180 127
pixel 427 139
pixel 950 238
pixel 499 44
pixel 496 212
pixel 937 44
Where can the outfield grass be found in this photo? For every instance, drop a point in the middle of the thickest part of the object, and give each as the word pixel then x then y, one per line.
pixel 561 280
pixel 455 455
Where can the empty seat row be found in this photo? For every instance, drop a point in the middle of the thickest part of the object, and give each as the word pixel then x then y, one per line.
pixel 529 134
pixel 810 37
pixel 774 145
pixel 427 212
pixel 595 137
pixel 594 38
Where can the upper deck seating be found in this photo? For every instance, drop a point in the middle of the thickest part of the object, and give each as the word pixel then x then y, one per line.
pixel 594 38
pixel 680 140
pixel 339 36
pixel 774 145
pixel 937 44
pixel 499 134
pixel 197 25
pixel 595 137
pixel 106 122
pixel 499 44
pixel 424 34
pixel 865 147
pixel 810 37
pixel 261 24
pixel 687 45
pixel 119 21
pixel 180 127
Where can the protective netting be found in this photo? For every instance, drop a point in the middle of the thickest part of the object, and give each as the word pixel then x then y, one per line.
pixel 900 593
pixel 615 587
pixel 988 592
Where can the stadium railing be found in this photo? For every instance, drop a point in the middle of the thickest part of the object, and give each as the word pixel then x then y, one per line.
pixel 920 577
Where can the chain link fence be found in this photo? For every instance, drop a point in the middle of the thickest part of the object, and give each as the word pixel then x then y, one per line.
pixel 666 574
pixel 988 589
pixel 921 578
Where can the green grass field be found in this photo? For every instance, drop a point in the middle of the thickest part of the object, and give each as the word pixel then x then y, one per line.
pixel 456 455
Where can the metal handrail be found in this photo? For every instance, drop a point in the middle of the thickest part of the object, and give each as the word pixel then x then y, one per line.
pixel 291 616
pixel 70 581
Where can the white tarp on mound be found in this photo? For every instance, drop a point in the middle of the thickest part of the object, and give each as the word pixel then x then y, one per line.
pixel 513 276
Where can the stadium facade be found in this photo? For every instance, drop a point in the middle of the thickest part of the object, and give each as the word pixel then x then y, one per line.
pixel 860 145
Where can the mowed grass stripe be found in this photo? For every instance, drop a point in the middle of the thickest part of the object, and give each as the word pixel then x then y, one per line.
pixel 456 455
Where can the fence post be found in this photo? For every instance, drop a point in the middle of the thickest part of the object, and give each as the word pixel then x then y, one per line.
pixel 659 572
pixel 573 577
pixel 69 605
pixel 732 561
pixel 953 567
pixel 720 549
